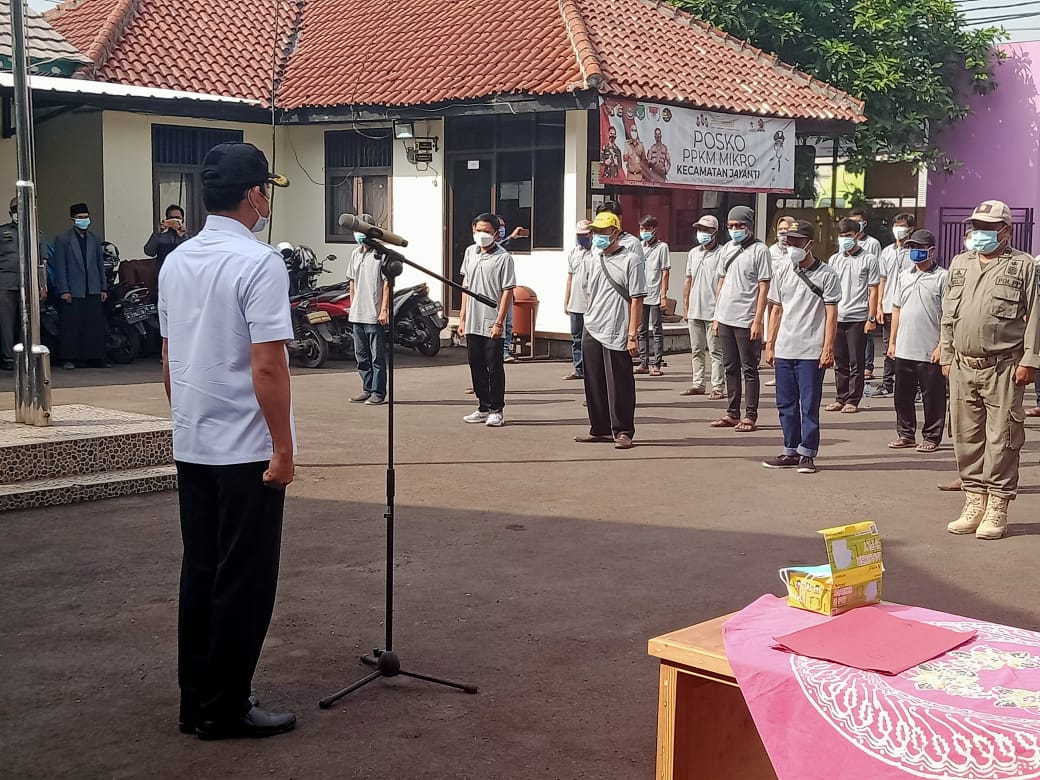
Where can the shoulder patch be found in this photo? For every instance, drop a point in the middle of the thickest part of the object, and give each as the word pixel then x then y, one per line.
pixel 957 276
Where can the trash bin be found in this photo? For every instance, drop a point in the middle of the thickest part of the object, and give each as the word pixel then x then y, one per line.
pixel 525 310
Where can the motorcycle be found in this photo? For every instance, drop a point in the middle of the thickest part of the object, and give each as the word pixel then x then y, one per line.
pixel 132 323
pixel 319 314
pixel 418 320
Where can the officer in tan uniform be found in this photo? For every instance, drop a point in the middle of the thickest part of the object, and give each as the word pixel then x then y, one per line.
pixel 990 349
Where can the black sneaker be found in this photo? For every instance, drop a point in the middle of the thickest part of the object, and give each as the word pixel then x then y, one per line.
pixel 806 466
pixel 781 462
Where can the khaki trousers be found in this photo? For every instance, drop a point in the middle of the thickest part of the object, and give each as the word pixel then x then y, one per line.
pixel 988 426
pixel 703 345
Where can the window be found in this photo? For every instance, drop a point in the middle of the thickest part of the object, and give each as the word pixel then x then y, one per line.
pixel 526 157
pixel 358 169
pixel 177 155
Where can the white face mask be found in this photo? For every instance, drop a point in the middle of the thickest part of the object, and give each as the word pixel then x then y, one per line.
pixel 261 221
pixel 900 232
pixel 797 254
pixel 483 240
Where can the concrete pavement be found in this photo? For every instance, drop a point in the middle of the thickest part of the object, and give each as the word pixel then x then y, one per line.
pixel 527 564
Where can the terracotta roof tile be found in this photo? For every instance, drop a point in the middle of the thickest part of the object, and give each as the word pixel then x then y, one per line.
pixel 43 41
pixel 421 52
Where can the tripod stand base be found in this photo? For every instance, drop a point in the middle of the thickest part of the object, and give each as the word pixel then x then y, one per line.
pixel 387 664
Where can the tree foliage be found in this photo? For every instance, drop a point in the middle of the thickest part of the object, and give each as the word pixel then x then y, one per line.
pixel 912 62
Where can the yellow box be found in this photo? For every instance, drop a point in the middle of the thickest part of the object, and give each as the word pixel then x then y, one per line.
pixel 850 578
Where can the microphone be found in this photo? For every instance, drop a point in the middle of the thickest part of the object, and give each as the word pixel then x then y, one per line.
pixel 356 225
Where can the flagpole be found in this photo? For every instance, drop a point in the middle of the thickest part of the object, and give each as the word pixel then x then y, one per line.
pixel 32 359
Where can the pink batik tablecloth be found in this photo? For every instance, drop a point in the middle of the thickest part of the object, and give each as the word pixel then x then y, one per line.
pixel 971 713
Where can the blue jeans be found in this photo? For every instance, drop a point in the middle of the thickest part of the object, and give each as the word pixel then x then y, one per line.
pixel 799 393
pixel 507 334
pixel 577 328
pixel 370 351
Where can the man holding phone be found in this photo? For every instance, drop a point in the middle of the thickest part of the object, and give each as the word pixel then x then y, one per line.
pixel 171 234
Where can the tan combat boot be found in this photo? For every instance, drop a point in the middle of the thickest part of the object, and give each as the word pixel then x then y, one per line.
pixel 971 514
pixel 994 522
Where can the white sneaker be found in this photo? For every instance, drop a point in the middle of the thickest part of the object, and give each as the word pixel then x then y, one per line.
pixel 495 420
pixel 476 417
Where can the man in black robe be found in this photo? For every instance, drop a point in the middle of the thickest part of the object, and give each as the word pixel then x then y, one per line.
pixel 81 287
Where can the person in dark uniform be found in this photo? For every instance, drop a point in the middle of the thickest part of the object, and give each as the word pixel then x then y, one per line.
pixel 80 284
pixel 610 157
pixel 172 233
pixel 10 284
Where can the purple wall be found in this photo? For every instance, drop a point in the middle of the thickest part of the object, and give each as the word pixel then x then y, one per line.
pixel 998 146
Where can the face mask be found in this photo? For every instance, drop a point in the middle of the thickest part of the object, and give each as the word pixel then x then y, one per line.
pixel 862 226
pixel 646 235
pixel 14 217
pixel 845 243
pixel 739 235
pixel 483 239
pixel 600 241
pixel 900 232
pixel 360 238
pixel 918 255
pixel 704 238
pixel 261 222
pixel 797 254
pixel 585 241
pixel 82 224
pixel 501 233
pixel 984 241
pixel 781 239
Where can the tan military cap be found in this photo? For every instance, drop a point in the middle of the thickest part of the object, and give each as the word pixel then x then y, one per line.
pixel 991 211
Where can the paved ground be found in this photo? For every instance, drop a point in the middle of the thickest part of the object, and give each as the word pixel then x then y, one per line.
pixel 531 566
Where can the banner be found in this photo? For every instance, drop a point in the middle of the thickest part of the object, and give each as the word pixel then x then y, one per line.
pixel 651 145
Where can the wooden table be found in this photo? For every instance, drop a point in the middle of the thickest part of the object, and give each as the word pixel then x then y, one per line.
pixel 704 729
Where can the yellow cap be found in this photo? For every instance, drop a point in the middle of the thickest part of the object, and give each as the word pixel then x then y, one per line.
pixel 606 219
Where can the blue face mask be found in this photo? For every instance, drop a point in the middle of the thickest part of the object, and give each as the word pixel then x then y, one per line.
pixel 704 238
pixel 845 243
pixel 600 241
pixel 918 255
pixel 984 241
pixel 646 235
pixel 501 233
pixel 83 224
pixel 585 241
pixel 739 235
pixel 360 237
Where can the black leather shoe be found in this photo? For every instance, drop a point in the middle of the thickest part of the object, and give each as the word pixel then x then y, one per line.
pixel 255 723
pixel 187 725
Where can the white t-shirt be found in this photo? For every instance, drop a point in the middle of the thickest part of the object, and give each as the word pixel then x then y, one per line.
pixel 607 315
pixel 658 259
pixel 871 245
pixel 893 261
pixel 219 293
pixel 703 270
pixel 858 273
pixel 366 272
pixel 804 314
pixel 577 269
pixel 920 300
pixel 738 298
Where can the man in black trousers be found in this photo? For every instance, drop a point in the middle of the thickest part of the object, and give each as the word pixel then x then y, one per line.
pixel 224 314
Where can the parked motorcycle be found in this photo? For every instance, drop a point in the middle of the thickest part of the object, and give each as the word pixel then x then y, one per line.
pixel 132 323
pixel 319 314
pixel 418 320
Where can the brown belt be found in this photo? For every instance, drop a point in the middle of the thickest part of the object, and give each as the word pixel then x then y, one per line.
pixel 978 363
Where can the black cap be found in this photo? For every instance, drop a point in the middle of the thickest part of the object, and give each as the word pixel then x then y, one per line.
pixel 238 165
pixel 78 208
pixel 802 229
pixel 921 238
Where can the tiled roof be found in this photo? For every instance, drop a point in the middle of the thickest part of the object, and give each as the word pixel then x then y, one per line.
pixel 223 47
pixel 424 52
pixel 44 43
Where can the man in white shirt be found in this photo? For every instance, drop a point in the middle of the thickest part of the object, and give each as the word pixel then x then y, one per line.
pixel 224 317
pixel 657 268
pixel 857 315
pixel 369 314
pixel 916 319
pixel 800 346
pixel 702 275
pixel 895 258
pixel 574 298
pixel 615 287
pixel 740 308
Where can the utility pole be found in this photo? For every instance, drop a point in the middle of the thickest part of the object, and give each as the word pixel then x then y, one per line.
pixel 32 359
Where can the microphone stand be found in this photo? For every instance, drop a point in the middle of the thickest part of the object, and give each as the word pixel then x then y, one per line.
pixel 385 660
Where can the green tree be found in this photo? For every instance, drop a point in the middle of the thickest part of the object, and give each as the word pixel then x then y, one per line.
pixel 912 62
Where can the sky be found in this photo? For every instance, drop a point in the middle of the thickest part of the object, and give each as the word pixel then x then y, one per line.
pixel 1025 27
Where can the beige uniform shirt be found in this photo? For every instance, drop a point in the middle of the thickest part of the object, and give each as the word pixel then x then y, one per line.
pixel 992 308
